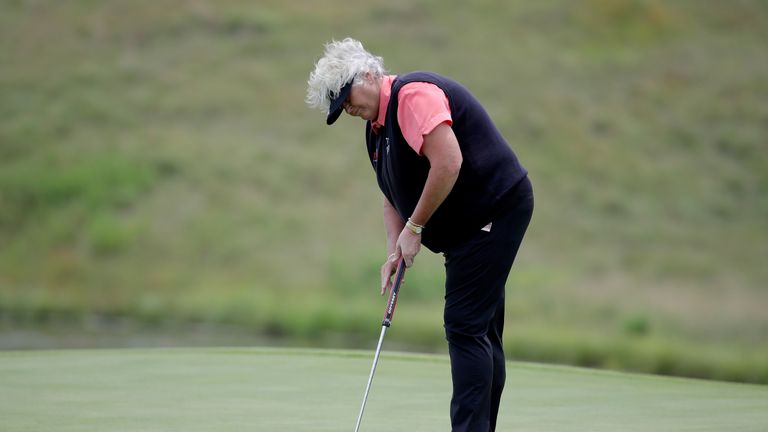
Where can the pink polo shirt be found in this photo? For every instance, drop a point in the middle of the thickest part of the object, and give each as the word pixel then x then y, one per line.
pixel 421 107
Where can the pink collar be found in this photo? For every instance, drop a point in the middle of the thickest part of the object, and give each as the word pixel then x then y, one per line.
pixel 384 95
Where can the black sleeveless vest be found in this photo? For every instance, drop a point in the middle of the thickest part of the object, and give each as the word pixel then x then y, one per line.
pixel 488 172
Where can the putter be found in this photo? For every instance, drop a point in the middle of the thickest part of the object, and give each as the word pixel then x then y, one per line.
pixel 388 312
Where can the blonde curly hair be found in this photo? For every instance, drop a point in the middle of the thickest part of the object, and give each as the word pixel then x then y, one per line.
pixel 342 62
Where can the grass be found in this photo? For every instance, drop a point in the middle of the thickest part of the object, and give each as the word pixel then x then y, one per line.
pixel 157 163
pixel 230 389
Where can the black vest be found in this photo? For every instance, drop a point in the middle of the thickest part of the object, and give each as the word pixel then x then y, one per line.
pixel 488 172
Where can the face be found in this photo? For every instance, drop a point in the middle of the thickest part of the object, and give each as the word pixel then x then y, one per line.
pixel 363 100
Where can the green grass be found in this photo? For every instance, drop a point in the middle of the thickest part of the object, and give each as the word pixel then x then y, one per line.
pixel 157 163
pixel 301 390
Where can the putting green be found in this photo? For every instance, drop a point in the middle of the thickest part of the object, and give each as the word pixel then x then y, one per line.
pixel 242 389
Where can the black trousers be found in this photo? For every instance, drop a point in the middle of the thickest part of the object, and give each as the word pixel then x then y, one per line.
pixel 476 273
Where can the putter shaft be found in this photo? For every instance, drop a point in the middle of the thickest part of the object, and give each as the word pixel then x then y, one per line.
pixel 388 314
pixel 370 377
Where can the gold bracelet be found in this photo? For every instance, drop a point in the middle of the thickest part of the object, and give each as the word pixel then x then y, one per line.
pixel 415 224
pixel 414 227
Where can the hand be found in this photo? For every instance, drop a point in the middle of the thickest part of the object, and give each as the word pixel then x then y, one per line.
pixel 408 246
pixel 387 270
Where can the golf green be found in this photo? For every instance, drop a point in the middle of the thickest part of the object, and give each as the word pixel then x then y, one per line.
pixel 239 389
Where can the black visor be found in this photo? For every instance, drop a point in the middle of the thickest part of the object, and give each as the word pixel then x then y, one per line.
pixel 337 103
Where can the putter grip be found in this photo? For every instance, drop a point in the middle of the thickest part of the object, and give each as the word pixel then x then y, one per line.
pixel 393 293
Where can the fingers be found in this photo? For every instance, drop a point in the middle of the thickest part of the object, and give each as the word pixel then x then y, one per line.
pixel 387 269
pixel 395 257
pixel 385 277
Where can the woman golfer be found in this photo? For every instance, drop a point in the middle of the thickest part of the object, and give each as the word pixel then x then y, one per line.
pixel 450 182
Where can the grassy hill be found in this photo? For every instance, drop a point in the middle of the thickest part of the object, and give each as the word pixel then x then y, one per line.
pixel 157 162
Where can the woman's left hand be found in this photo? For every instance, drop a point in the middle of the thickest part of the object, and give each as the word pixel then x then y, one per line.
pixel 408 246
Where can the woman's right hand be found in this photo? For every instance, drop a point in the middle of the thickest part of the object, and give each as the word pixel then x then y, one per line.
pixel 387 270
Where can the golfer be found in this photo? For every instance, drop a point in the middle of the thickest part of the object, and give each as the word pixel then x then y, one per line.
pixel 451 183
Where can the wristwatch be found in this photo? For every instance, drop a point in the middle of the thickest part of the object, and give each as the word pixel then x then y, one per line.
pixel 414 227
